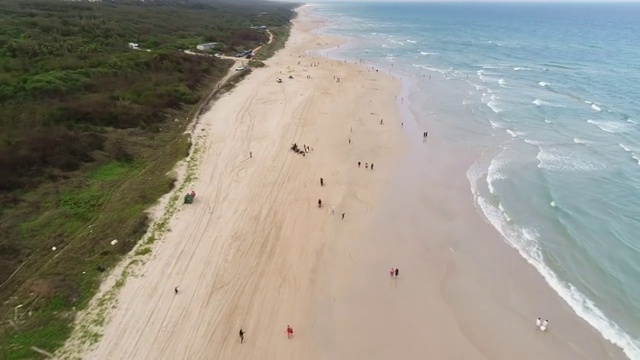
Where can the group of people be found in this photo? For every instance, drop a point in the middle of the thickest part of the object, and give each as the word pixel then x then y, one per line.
pixel 366 165
pixel 542 325
pixel 289 334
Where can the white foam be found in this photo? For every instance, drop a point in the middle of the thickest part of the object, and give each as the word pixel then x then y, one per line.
pixel 548 121
pixel 427 53
pixel 534 142
pixel 635 152
pixel 493 172
pixel 581 141
pixel 491 101
pixel 613 127
pixel 495 125
pixel 520 68
pixel 426 67
pixel 515 133
pixel 539 102
pixel 557 159
pixel 474 174
pixel 494 106
pixel 552 203
pixel 543 84
pixel 525 241
pixel 595 107
pixel 411 42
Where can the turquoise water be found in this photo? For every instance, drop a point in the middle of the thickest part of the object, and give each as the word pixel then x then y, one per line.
pixel 552 91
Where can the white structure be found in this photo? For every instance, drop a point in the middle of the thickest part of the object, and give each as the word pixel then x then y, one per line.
pixel 207 46
pixel 133 46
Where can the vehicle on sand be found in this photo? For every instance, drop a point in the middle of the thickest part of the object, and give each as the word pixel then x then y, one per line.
pixel 188 199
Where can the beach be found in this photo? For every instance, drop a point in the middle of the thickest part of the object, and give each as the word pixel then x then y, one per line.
pixel 255 251
pixel 249 253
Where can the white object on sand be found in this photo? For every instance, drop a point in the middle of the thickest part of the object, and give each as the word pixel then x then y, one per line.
pixel 538 322
pixel 53 248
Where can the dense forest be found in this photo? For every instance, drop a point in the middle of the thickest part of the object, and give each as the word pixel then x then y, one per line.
pixel 89 127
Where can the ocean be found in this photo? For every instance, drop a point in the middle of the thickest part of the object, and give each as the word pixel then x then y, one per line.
pixel 551 91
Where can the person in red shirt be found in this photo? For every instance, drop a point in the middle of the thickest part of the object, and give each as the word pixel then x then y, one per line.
pixel 289 332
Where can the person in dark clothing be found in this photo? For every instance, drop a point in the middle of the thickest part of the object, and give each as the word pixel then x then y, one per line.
pixel 371 166
pixel 397 271
pixel 176 290
pixel 241 333
pixel 358 163
pixel 321 182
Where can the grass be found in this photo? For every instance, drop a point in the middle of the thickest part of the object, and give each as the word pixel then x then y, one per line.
pixel 280 37
pixel 113 201
pixel 80 216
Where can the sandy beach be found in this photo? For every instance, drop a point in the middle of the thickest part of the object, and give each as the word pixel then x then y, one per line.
pixel 255 252
pixel 250 252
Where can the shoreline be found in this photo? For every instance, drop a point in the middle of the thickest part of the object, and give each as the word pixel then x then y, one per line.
pixel 250 251
pixel 516 291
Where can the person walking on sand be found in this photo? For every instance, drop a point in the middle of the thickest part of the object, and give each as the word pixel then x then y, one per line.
pixel 289 332
pixel 321 182
pixel 250 154
pixel 358 163
pixel 241 333
pixel 371 166
pixel 397 272
pixel 175 290
pixel 392 272
pixel 538 322
pixel 333 209
pixel 342 216
pixel 543 327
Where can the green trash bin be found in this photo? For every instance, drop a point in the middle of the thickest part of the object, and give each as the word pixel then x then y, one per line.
pixel 188 199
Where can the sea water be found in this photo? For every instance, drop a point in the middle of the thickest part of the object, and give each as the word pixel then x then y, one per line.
pixel 552 91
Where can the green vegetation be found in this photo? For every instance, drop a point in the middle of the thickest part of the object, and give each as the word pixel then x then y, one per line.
pixel 280 37
pixel 89 130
